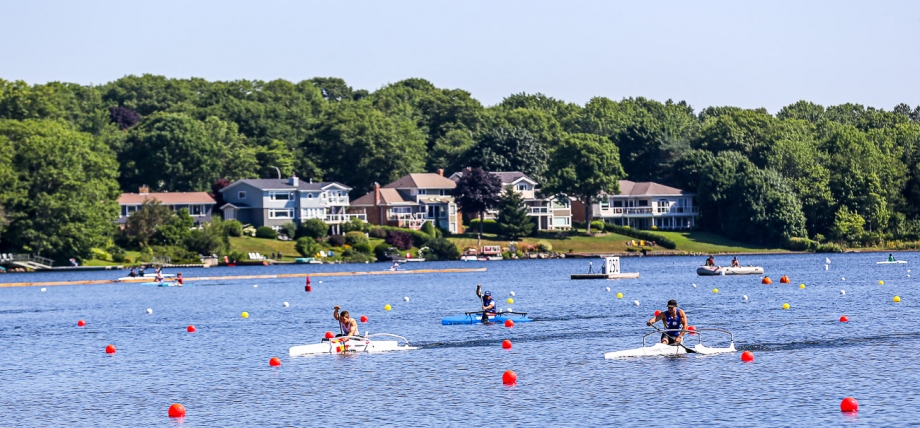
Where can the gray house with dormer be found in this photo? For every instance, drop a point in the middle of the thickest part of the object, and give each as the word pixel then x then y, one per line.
pixel 273 202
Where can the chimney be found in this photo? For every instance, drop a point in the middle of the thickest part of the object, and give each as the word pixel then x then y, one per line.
pixel 441 172
pixel 376 193
pixel 143 190
pixel 294 181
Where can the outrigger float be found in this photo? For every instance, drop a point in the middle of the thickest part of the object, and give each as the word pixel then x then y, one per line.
pixel 352 345
pixel 476 318
pixel 660 349
pixel 727 270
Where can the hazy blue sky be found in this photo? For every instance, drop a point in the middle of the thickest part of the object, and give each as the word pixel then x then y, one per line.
pixel 742 53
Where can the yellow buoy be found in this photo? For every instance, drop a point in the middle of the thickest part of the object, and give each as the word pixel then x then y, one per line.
pixel 510 301
pixel 802 286
pixel 881 283
pixel 715 290
pixel 245 314
pixel 387 307
pixel 897 299
pixel 785 306
pixel 619 295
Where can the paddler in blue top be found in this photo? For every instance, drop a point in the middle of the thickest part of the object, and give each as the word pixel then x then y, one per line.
pixel 347 324
pixel 488 304
pixel 673 319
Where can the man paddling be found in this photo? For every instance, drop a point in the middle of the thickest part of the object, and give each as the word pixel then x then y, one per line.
pixel 488 304
pixel 891 257
pixel 347 324
pixel 673 319
pixel 711 261
pixel 735 262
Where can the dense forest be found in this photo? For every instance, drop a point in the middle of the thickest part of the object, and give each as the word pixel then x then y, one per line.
pixel 845 174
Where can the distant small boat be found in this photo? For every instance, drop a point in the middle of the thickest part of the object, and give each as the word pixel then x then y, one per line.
pixel 896 262
pixel 727 270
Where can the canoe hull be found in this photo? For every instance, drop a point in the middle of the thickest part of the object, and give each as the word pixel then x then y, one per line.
pixel 348 346
pixel 477 319
pixel 660 349
pixel 896 262
pixel 720 270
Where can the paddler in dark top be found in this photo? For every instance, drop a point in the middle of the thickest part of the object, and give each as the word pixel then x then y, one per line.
pixel 347 324
pixel 488 304
pixel 711 261
pixel 673 319
pixel 735 262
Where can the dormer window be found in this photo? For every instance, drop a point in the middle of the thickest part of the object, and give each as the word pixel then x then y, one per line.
pixel 522 187
pixel 422 191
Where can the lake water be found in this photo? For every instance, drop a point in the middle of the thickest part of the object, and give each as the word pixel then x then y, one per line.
pixel 53 373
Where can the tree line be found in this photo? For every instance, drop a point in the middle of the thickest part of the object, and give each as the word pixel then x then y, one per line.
pixel 846 173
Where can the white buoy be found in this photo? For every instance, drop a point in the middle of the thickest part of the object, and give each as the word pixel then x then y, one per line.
pixel 744 298
pixel 321 282
pixel 908 271
pixel 608 289
pixel 694 285
pixel 843 292
pixel 406 298
pixel 842 278
pixel 512 293
pixel 286 304
pixel 44 289
pixel 255 285
pixel 908 275
pixel 509 310
pixel 636 302
pixel 826 266
pixel 149 311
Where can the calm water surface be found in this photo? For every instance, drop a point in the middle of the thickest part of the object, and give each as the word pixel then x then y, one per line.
pixel 53 373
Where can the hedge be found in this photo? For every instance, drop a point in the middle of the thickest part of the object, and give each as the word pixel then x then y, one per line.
pixel 641 234
pixel 419 238
pixel 488 226
pixel 266 233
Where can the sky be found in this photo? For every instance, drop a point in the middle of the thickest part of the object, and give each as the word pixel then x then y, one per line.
pixel 709 53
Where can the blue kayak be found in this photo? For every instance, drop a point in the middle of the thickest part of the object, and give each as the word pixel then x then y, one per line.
pixel 476 318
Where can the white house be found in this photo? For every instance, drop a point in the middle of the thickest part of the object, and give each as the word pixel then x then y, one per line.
pixel 646 204
pixel 548 213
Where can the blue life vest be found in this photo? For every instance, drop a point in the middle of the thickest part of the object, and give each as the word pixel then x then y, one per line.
pixel 486 301
pixel 672 323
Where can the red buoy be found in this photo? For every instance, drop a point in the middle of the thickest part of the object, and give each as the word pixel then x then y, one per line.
pixel 110 349
pixel 190 329
pixel 747 356
pixel 329 335
pixel 177 411
pixel 81 323
pixel 692 329
pixel 657 313
pixel 363 318
pixel 506 344
pixel 308 288
pixel 274 362
pixel 509 323
pixel 849 404
pixel 509 378
pixel 308 280
pixel 844 318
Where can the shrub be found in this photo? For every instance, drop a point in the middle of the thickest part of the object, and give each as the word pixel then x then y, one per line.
pixel 429 229
pixel 381 251
pixel 363 247
pixel 356 225
pixel 100 254
pixel 399 239
pixel 488 226
pixel 829 248
pixel 233 228
pixel 641 234
pixel 378 233
pixel 544 247
pixel 249 231
pixel 442 249
pixel 118 254
pixel 337 240
pixel 355 238
pixel 266 232
pixel 289 229
pixel 313 228
pixel 598 225
pixel 801 244
pixel 307 247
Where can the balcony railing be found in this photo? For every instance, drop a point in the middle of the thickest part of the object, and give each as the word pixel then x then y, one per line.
pixel 621 211
pixel 342 218
pixel 407 216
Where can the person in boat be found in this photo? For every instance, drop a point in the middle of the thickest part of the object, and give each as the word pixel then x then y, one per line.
pixel 711 261
pixel 347 324
pixel 735 262
pixel 891 258
pixel 488 304
pixel 179 280
pixel 675 320
pixel 159 278
pixel 133 273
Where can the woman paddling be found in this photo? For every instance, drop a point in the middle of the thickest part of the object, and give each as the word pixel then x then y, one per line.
pixel 347 324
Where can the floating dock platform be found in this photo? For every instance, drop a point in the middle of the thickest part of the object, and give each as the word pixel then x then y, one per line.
pixel 623 275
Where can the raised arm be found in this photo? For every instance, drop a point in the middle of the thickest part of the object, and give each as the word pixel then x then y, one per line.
pixel 335 312
pixel 479 290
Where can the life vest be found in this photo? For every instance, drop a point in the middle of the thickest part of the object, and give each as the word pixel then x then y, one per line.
pixel 672 323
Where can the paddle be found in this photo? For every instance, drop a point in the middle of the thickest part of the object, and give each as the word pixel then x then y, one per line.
pixel 681 344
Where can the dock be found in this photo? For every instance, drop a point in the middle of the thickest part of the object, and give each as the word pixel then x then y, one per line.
pixel 623 275
pixel 242 277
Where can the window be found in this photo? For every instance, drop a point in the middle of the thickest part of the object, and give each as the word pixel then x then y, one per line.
pixel 422 191
pixel 643 202
pixel 617 204
pixel 127 210
pixel 241 194
pixel 280 213
pixel 309 196
pixel 281 196
pixel 196 210
pixel 444 192
pixel 308 213
pixel 605 203
pixel 522 187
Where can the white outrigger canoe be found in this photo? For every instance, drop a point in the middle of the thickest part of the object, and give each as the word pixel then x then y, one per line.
pixel 896 262
pixel 352 344
pixel 727 270
pixel 660 349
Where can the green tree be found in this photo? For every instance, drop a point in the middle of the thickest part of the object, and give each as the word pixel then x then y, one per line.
pixel 476 192
pixel 584 166
pixel 307 247
pixel 510 149
pixel 314 228
pixel 848 225
pixel 143 224
pixel 176 229
pixel 211 238
pixel 513 220
pixel 289 229
pixel 438 249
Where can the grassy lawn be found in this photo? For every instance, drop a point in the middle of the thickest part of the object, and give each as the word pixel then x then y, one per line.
pixel 705 242
pixel 265 247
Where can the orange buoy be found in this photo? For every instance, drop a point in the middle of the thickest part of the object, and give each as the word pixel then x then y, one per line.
pixel 509 377
pixel 329 335
pixel 177 411
pixel 784 279
pixel 844 319
pixel 509 323
pixel 274 362
pixel 747 356
pixel 506 344
pixel 849 404
pixel 110 349
pixel 766 280
pixel 363 318
pixel 81 323
pixel 657 313
pixel 190 329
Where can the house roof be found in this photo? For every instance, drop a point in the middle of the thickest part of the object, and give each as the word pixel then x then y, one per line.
pixel 166 198
pixel 648 188
pixel 507 177
pixel 387 197
pixel 285 184
pixel 425 180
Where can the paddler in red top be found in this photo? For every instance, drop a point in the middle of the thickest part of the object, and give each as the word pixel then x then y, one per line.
pixel 179 279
